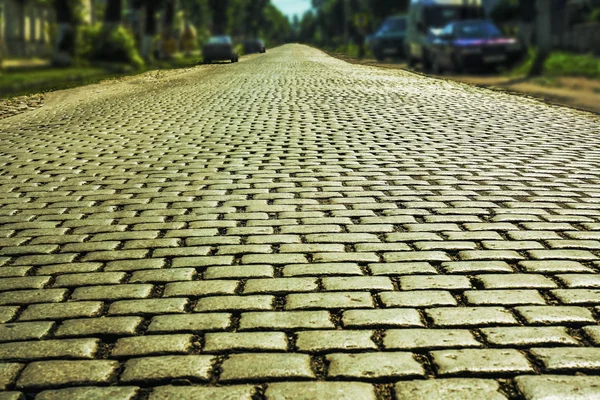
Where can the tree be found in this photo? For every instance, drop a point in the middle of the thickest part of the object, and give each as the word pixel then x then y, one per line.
pixel 543 34
pixel 113 13
pixel 219 13
pixel 64 49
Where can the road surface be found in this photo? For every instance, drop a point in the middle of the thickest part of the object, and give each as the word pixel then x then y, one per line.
pixel 297 227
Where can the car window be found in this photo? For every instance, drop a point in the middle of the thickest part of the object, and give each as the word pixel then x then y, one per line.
pixel 437 17
pixel 477 30
pixel 393 25
pixel 447 31
pixel 219 40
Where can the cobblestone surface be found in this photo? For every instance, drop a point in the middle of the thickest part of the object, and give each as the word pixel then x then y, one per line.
pixel 296 227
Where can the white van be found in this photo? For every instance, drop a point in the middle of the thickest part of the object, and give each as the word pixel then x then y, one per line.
pixel 425 19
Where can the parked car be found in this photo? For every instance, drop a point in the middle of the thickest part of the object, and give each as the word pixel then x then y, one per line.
pixel 219 48
pixel 427 17
pixel 388 41
pixel 475 43
pixel 254 46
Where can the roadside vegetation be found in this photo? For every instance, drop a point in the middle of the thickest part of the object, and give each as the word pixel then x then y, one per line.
pixel 130 37
pixel 561 63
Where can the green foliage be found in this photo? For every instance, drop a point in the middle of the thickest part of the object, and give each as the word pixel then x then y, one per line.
pixel 595 15
pixel 108 44
pixel 561 63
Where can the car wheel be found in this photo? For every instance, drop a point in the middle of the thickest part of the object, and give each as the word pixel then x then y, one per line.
pixel 436 66
pixel 426 62
pixel 458 65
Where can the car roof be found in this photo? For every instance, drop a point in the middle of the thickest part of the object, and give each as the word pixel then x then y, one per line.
pixel 475 3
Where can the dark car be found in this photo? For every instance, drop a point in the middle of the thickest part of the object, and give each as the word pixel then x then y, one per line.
pixel 254 46
pixel 388 41
pixel 219 48
pixel 473 44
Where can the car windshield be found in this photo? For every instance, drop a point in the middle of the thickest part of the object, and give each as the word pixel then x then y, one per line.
pixel 474 30
pixel 219 40
pixel 437 17
pixel 393 25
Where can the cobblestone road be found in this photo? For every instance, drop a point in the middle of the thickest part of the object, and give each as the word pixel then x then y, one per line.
pixel 295 227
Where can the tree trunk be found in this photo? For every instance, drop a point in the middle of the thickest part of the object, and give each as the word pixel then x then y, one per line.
pixel 149 29
pixel 113 14
pixel 64 49
pixel 543 33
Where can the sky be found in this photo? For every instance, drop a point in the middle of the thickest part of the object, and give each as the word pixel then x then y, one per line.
pixel 292 7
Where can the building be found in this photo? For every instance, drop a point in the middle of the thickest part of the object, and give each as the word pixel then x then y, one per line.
pixel 26 27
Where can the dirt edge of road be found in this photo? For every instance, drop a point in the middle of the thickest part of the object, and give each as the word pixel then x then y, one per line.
pixel 569 96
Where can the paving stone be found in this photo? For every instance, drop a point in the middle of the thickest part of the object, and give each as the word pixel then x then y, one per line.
pixel 112 292
pixel 152 345
pixel 419 298
pixel 408 268
pixel 503 297
pixel 474 267
pixel 345 257
pixel 580 280
pixel 426 339
pixel 7 313
pixel 71 268
pixel 410 256
pixel 237 303
pixel 230 392
pixel 428 282
pixel 92 278
pixel 449 389
pixel 266 366
pixel 558 386
pixel 26 282
pixel 320 390
pixel 554 267
pixel 324 269
pixel 24 331
pixel 90 393
pixel 306 301
pixel 248 341
pixel 276 259
pixel 134 265
pixel 324 341
pixel 286 320
pixel 105 326
pixel 200 288
pixel 593 333
pixel 152 369
pixel 190 322
pixel 480 361
pixel 577 296
pixel 280 285
pixel 398 317
pixel 555 315
pixel 513 281
pixel 57 311
pixel 8 374
pixel 47 374
pixel 528 336
pixel 149 306
pixel 234 271
pixel 470 316
pixel 373 365
pixel 37 350
pixel 568 358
